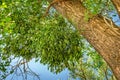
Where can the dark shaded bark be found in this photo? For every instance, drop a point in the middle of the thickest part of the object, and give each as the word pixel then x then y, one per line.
pixel 101 33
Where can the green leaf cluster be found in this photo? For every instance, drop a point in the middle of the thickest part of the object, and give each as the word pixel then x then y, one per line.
pixel 52 40
pixel 98 6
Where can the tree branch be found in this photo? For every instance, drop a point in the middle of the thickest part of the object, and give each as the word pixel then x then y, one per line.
pixel 105 37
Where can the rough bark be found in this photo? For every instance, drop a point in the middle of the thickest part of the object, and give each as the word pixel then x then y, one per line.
pixel 117 5
pixel 101 33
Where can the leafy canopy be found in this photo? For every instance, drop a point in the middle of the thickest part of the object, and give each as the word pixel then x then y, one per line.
pixel 51 40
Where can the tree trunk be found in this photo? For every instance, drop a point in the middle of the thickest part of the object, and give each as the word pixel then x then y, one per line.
pixel 101 33
pixel 117 5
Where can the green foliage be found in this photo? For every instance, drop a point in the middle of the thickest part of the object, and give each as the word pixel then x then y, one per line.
pixel 59 44
pixel 52 40
pixel 49 39
pixel 98 6
pixel 5 61
pixel 90 67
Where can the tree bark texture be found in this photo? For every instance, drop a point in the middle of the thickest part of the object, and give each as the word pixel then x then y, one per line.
pixel 116 3
pixel 102 34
